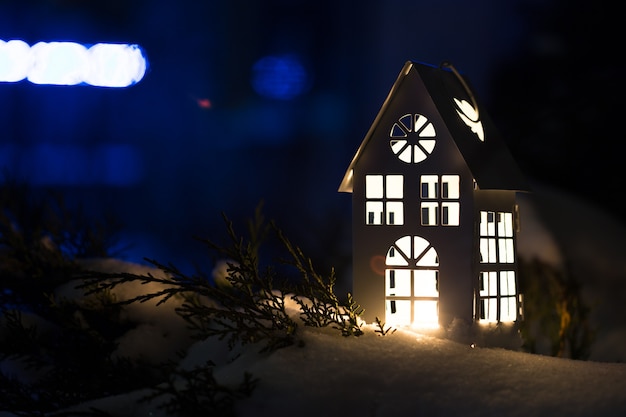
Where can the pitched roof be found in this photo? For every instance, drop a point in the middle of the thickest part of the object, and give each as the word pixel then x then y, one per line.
pixel 489 160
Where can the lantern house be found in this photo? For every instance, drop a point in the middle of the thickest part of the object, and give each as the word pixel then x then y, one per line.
pixel 434 215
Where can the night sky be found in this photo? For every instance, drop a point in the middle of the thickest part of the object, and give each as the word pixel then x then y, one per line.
pixel 248 101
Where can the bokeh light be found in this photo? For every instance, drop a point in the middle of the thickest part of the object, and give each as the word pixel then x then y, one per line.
pixel 281 77
pixel 70 63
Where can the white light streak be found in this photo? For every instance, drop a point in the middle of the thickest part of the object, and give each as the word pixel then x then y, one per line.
pixel 70 63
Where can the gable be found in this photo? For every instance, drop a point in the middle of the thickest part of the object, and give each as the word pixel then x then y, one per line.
pixel 478 141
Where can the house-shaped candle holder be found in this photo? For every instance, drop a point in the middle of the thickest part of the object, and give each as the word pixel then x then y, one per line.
pixel 433 207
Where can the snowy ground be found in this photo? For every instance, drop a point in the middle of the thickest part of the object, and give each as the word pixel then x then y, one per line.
pixel 416 373
pixel 408 373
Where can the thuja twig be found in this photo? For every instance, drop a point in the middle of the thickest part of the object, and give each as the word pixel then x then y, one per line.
pixel 316 296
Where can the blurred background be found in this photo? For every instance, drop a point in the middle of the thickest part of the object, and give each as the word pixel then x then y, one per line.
pixel 246 101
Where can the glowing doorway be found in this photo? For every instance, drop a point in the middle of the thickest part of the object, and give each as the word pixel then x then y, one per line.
pixel 412 283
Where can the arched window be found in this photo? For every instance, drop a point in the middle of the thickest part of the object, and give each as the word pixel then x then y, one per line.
pixel 412 283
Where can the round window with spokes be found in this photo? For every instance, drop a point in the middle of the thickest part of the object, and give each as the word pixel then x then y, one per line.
pixel 412 138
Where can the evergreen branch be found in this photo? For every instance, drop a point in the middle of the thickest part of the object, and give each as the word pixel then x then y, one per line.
pixel 316 296
pixel 381 329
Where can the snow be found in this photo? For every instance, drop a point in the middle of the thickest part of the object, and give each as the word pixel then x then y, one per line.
pixel 400 373
pixel 452 372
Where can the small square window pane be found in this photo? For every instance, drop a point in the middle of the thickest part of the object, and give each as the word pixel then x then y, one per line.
pixel 507 283
pixel 395 213
pixel 508 309
pixel 398 312
pixel 401 282
pixel 373 186
pixel 450 186
pixel 394 186
pixel 374 211
pixel 429 186
pixel 450 214
pixel 430 214
pixel 425 284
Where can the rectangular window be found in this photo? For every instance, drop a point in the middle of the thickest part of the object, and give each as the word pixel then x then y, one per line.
pixel 498 224
pixel 450 210
pixel 384 195
pixel 497 296
pixel 392 278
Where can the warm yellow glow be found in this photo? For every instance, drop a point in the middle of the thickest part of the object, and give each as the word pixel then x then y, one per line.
pixel 425 283
pixel 398 282
pixel 426 316
pixel 508 310
pixel 412 293
pixel 507 282
pixel 398 312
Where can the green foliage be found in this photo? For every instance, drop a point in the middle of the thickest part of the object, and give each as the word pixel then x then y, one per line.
pixel 556 320
pixel 249 304
pixel 381 329
pixel 319 305
pixel 249 307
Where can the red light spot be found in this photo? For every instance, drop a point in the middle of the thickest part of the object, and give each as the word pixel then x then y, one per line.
pixel 204 103
pixel 377 264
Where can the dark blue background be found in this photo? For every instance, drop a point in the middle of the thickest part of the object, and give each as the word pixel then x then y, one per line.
pixel 195 138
